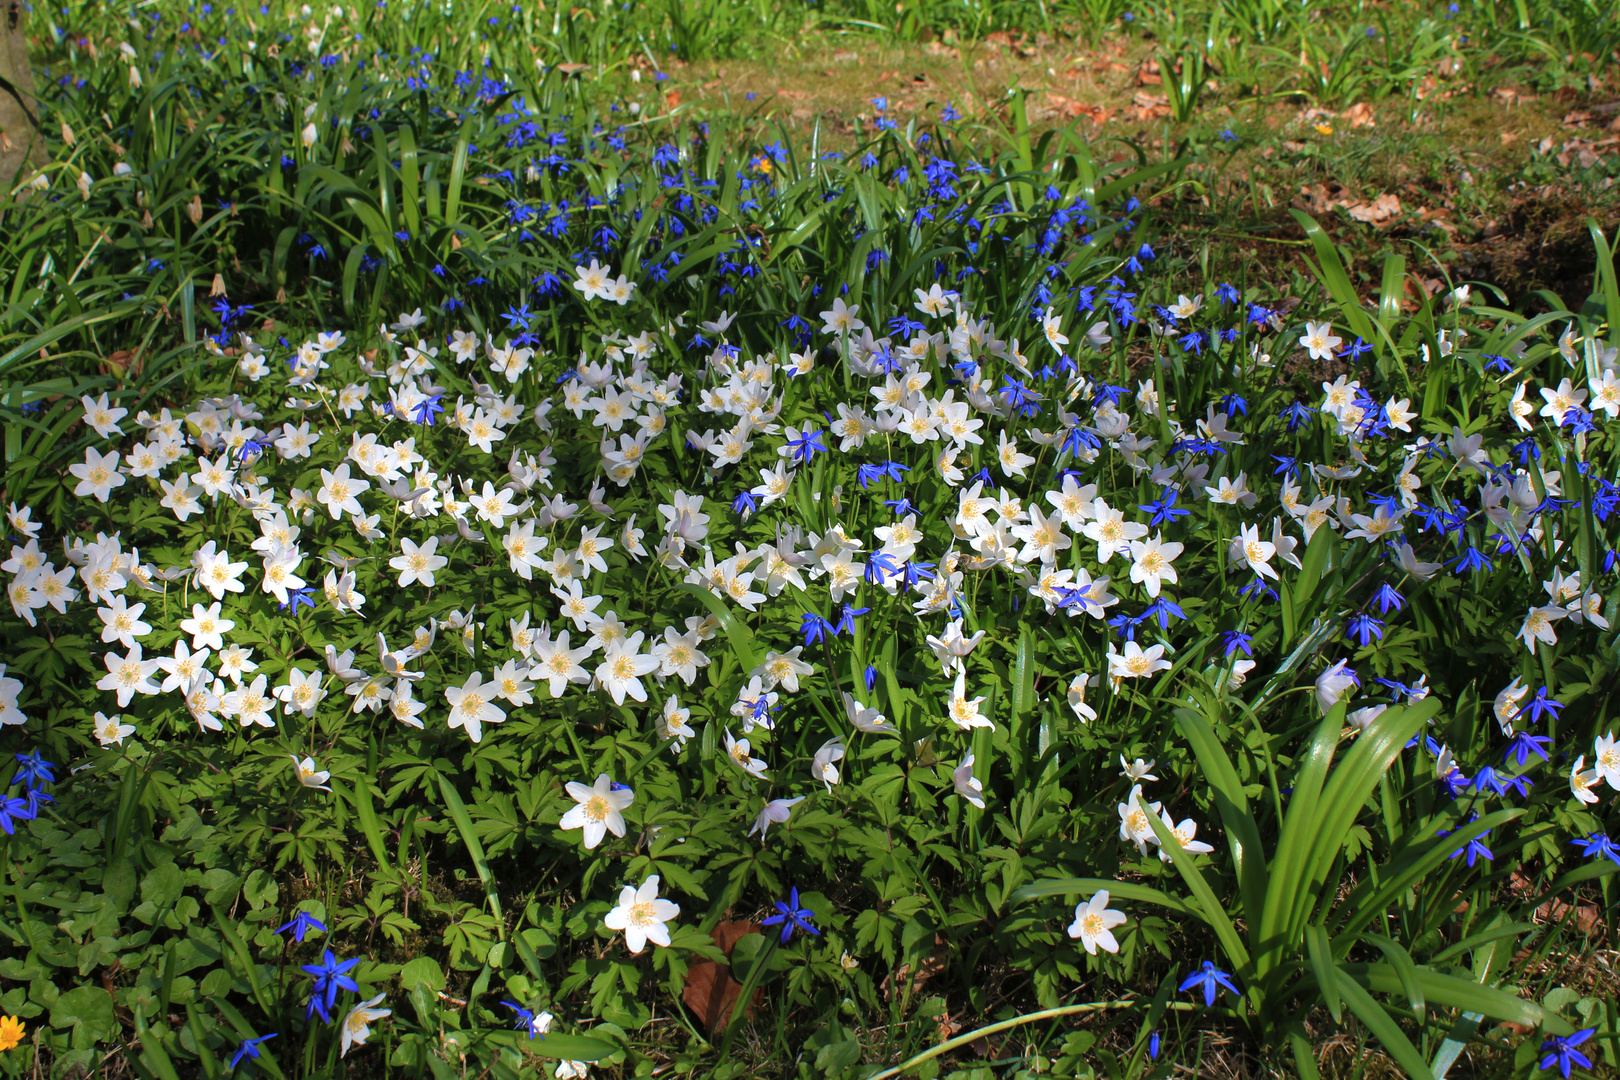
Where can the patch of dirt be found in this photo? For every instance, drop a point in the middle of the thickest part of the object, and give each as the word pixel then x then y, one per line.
pixel 1540 242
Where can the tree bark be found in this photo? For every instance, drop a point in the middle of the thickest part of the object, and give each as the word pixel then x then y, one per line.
pixel 22 143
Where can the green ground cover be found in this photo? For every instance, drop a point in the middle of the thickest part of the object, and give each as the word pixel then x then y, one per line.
pixel 812 540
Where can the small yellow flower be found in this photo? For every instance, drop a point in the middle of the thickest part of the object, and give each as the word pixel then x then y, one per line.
pixel 11 1032
pixel 1324 129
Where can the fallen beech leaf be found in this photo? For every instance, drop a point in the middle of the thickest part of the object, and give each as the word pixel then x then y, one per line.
pixel 711 992
pixel 1377 212
pixel 1358 115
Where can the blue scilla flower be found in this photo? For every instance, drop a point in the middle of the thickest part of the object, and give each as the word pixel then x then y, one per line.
pixel 1233 640
pixel 425 410
pixel 807 445
pixel 1164 508
pixel 1560 1049
pixel 248 1048
pixel 302 923
pixel 815 628
pixel 34 770
pixel 330 976
pixel 792 917
pixel 14 809
pixel 1599 846
pixel 1499 784
pixel 1475 849
pixel 1364 628
pixel 524 1020
pixel 1523 744
pixel 1542 705
pixel 1296 414
pixel 1211 980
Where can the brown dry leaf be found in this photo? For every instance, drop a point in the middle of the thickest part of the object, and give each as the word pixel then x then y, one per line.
pixel 1507 137
pixel 1148 74
pixel 1378 212
pixel 1070 109
pixel 673 98
pixel 711 992
pixel 931 965
pixel 935 48
pixel 1145 106
pixel 793 95
pixel 1510 97
pixel 1358 115
pixel 120 360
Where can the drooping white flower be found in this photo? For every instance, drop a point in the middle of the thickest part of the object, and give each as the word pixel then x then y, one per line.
pixel 966 784
pixel 308 774
pixel 357 1025
pixel 822 765
pixel 1580 783
pixel 777 811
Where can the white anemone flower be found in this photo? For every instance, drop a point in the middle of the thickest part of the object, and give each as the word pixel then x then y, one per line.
pixel 599 809
pixel 642 915
pixel 1094 922
pixel 357 1025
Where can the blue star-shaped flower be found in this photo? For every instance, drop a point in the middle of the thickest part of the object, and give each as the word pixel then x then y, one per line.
pixel 249 1048
pixel 791 916
pixel 1210 979
pixel 302 923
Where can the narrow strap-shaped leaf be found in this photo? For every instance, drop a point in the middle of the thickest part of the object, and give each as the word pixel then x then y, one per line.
pixel 464 825
pixel 1389 1033
pixel 1288 868
pixel 1214 913
pixel 360 798
pixel 738 636
pixel 1242 832
pixel 1346 794
pixel 1119 890
pixel 1320 954
pixel 244 959
pixel 1405 969
pixel 1372 898
pixel 1451 992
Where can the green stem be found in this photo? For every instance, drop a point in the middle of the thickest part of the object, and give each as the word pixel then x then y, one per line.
pixel 994 1029
pixel 757 972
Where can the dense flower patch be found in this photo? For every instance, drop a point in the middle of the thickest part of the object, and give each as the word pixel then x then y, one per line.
pixel 885 556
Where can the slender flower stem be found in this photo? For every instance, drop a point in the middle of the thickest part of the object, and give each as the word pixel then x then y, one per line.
pixel 757 972
pixel 1004 1025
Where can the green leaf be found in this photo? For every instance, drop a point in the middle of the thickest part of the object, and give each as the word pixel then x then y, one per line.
pixel 1213 912
pixel 469 836
pixel 423 970
pixel 1394 1040
pixel 1122 890
pixel 1226 789
pixel 741 639
pixel 88 1010
pixel 1327 976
